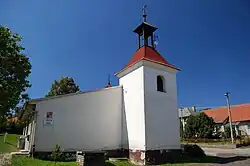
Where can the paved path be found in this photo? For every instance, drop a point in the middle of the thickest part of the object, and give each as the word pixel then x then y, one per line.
pixel 222 152
pixel 229 157
pixel 232 161
pixel 5 159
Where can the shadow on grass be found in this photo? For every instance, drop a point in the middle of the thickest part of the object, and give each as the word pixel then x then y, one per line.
pixel 10 144
pixel 109 164
pixel 203 160
pixel 186 160
pixel 221 160
pixel 214 159
pixel 206 159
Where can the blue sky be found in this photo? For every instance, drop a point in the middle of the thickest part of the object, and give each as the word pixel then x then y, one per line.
pixel 87 40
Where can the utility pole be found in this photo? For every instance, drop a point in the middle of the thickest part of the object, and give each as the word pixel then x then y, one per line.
pixel 181 118
pixel 229 115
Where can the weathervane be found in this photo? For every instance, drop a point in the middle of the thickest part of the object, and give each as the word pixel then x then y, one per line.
pixel 144 15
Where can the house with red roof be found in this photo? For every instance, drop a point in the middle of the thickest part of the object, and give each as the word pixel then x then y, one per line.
pixel 240 117
pixel 13 119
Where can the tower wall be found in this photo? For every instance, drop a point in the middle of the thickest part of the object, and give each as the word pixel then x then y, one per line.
pixel 161 110
pixel 133 95
pixel 151 115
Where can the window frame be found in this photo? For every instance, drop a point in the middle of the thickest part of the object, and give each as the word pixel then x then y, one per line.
pixel 163 84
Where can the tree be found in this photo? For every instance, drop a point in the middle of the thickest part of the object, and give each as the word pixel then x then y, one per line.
pixel 14 71
pixel 200 126
pixel 23 115
pixel 227 132
pixel 63 86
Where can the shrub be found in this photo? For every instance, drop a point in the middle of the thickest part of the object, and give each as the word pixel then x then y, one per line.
pixel 194 151
pixel 200 126
pixel 245 141
pixel 227 132
pixel 57 154
pixel 14 127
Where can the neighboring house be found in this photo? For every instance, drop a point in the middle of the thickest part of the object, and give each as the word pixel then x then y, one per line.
pixel 240 117
pixel 184 113
pixel 13 119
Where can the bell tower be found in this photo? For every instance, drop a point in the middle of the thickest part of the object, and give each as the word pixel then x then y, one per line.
pixel 150 100
pixel 145 32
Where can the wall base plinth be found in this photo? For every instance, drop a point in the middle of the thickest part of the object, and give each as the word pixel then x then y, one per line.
pixel 152 157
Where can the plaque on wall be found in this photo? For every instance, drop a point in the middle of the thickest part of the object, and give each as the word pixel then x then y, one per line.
pixel 48 118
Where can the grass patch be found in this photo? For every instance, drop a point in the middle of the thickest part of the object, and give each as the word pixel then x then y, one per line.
pixel 119 163
pixel 27 161
pixel 10 145
pixel 126 163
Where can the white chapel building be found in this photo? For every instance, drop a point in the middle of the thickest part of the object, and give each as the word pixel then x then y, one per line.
pixel 139 115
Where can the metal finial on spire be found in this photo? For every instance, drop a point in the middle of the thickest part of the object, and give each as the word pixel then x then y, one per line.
pixel 109 84
pixel 109 79
pixel 144 14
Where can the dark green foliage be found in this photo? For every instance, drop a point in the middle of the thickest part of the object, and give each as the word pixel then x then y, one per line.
pixel 14 127
pixel 57 154
pixel 227 132
pixel 244 141
pixel 194 151
pixel 200 126
pixel 14 71
pixel 3 123
pixel 63 86
pixel 23 115
pixel 217 134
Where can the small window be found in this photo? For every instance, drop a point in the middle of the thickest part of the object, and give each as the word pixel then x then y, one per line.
pixel 160 84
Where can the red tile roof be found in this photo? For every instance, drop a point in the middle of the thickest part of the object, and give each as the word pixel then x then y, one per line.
pixel 149 54
pixel 13 119
pixel 239 113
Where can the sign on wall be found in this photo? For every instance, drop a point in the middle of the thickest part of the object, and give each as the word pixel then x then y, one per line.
pixel 48 118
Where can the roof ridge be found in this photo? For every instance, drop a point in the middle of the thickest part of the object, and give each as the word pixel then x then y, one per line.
pixel 235 105
pixel 150 54
pixel 72 94
pixel 240 104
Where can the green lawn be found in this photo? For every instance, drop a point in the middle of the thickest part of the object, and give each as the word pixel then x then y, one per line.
pixel 10 145
pixel 27 161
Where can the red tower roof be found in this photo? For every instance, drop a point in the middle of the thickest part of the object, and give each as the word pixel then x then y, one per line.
pixel 149 54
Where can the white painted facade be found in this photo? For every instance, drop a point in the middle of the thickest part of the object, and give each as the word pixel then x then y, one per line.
pixel 87 121
pixel 241 128
pixel 132 116
pixel 162 122
pixel 152 116
pixel 244 128
pixel 133 90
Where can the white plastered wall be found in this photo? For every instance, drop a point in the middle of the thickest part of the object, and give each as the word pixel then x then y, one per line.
pixel 87 121
pixel 161 111
pixel 133 92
